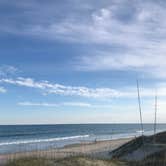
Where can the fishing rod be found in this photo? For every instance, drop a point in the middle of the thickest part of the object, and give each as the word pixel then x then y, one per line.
pixel 140 110
pixel 155 116
pixel 141 121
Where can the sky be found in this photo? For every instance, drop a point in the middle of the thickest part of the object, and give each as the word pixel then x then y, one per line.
pixel 77 61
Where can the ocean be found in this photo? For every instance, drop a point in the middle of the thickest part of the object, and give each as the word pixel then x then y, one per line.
pixel 16 138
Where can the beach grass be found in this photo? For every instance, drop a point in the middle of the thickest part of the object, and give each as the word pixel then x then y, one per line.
pixel 30 162
pixel 69 161
pixel 85 161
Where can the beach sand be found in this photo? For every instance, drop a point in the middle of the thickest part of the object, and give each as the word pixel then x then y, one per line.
pixel 93 149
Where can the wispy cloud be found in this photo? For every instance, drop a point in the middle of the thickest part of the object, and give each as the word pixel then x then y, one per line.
pixel 77 104
pixel 7 70
pixel 151 64
pixel 44 104
pixel 46 87
pixel 3 90
pixel 52 88
pixel 37 104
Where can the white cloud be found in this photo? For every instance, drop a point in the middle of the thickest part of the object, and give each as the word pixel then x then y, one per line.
pixel 151 64
pixel 7 70
pixel 117 112
pixel 3 90
pixel 101 93
pixel 37 104
pixel 59 89
pixel 44 104
pixel 77 104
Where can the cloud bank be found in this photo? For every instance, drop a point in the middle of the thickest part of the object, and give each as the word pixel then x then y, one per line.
pixel 134 32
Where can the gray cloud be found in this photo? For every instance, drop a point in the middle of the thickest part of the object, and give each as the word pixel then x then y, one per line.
pixel 137 27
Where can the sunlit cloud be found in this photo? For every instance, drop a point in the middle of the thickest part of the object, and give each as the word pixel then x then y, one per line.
pixel 37 104
pixel 44 104
pixel 77 104
pixel 58 89
pixel 46 87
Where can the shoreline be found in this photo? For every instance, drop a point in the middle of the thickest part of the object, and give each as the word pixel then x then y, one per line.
pixel 94 149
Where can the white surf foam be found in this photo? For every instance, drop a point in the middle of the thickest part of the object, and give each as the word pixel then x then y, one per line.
pixel 43 140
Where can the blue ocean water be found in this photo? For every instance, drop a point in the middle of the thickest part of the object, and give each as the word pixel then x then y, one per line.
pixel 16 138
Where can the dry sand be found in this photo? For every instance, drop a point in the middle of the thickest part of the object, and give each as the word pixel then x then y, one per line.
pixel 96 149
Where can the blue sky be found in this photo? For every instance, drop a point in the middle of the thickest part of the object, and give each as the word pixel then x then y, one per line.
pixel 78 61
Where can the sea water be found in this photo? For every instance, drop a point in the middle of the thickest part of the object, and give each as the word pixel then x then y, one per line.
pixel 16 138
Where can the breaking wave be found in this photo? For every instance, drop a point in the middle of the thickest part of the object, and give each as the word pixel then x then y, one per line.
pixel 43 140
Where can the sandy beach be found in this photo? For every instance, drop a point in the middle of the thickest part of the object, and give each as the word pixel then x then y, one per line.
pixel 99 149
